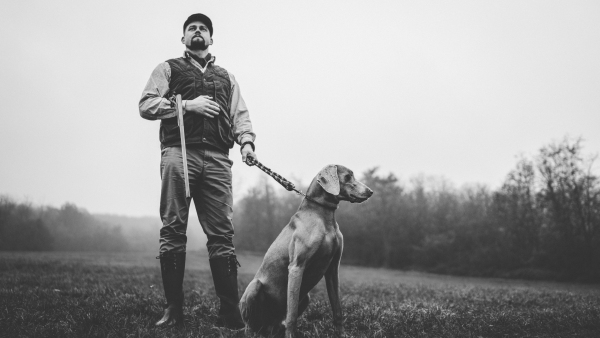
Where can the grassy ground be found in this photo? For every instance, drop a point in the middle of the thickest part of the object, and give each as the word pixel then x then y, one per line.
pixel 120 295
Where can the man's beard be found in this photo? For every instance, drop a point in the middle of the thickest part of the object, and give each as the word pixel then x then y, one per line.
pixel 199 44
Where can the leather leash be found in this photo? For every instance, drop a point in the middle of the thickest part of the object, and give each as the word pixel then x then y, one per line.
pixel 289 186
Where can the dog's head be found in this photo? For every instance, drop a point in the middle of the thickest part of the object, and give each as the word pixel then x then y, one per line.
pixel 339 181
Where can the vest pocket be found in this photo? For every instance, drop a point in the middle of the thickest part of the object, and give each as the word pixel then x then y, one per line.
pixel 169 131
pixel 225 130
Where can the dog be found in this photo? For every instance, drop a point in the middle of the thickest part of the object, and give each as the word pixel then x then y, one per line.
pixel 308 248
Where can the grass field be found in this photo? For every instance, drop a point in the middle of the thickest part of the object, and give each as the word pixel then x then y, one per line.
pixel 120 295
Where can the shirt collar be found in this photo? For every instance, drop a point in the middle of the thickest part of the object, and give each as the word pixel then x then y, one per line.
pixel 201 61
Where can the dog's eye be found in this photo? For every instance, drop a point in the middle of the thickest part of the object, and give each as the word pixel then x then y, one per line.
pixel 348 178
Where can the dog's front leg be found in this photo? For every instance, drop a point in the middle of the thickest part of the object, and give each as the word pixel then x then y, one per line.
pixel 298 252
pixel 294 282
pixel 332 281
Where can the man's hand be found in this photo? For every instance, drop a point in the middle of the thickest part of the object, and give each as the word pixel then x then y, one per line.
pixel 248 152
pixel 203 105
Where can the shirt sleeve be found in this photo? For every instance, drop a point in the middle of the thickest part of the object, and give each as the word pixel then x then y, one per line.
pixel 153 104
pixel 242 127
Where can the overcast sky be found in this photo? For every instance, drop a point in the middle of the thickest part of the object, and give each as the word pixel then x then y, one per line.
pixel 446 88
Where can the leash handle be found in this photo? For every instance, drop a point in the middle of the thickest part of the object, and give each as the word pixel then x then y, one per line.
pixel 280 179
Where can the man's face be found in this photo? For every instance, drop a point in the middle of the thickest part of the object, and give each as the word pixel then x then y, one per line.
pixel 196 36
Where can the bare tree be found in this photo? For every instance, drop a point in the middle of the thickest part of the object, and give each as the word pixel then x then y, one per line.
pixel 518 212
pixel 571 202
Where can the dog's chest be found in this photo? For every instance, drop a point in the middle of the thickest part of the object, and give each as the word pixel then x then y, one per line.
pixel 328 246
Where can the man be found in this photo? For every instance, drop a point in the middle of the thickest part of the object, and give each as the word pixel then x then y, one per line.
pixel 215 116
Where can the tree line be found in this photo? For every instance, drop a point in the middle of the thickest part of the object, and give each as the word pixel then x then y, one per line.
pixel 542 223
pixel 24 227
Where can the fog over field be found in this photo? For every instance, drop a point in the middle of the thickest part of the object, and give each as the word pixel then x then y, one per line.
pixel 454 89
pixel 142 233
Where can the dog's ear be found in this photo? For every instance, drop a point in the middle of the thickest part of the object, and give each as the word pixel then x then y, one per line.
pixel 328 179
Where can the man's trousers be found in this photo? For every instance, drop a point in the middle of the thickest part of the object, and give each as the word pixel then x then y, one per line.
pixel 210 187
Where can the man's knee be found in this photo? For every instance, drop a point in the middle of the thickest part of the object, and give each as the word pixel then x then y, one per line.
pixel 220 246
pixel 173 236
pixel 172 241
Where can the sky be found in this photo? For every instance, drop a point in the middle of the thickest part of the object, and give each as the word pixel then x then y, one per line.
pixel 453 89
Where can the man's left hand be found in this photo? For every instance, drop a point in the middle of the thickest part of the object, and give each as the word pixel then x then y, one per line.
pixel 248 152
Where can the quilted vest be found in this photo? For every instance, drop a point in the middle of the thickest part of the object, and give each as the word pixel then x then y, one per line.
pixel 190 82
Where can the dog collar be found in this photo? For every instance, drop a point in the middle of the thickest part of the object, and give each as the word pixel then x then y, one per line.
pixel 330 206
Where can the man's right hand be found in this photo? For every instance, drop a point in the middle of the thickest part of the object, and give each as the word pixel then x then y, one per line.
pixel 203 105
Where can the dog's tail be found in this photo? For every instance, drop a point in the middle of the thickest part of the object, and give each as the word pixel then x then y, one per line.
pixel 252 306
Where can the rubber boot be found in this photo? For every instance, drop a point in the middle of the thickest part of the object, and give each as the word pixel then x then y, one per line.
pixel 224 272
pixel 172 267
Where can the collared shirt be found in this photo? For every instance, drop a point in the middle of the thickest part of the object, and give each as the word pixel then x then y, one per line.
pixel 202 61
pixel 154 106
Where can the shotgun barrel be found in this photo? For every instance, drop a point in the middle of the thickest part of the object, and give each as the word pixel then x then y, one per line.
pixel 183 150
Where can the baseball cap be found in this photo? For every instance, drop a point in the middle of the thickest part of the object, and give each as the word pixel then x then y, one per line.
pixel 199 17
